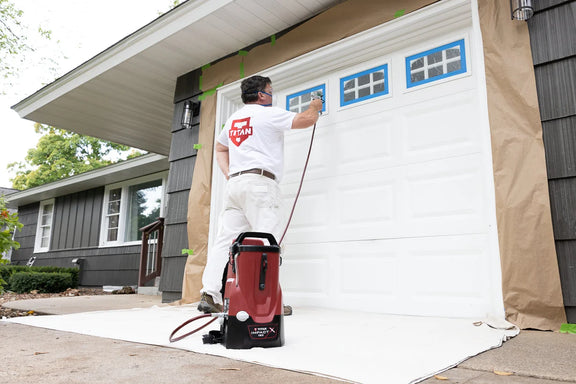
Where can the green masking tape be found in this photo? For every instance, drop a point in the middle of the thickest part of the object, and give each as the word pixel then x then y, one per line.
pixel 197 146
pixel 243 53
pixel 273 40
pixel 568 328
pixel 209 92
pixel 242 70
pixel 399 13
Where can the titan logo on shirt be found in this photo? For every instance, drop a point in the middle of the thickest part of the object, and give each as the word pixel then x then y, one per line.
pixel 240 131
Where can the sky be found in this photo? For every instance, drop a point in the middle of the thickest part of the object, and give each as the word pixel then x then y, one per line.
pixel 80 30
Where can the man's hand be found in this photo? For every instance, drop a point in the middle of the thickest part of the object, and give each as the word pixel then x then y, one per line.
pixel 309 117
pixel 316 104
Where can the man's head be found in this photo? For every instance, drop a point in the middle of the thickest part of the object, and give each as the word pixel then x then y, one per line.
pixel 255 89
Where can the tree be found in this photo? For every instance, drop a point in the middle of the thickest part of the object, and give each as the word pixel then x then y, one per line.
pixel 60 154
pixel 8 225
pixel 14 45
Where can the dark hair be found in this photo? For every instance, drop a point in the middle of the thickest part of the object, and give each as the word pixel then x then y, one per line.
pixel 251 86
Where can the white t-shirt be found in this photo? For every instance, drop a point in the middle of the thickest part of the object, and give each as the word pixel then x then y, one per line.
pixel 254 136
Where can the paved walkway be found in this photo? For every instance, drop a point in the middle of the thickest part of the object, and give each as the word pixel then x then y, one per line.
pixel 30 354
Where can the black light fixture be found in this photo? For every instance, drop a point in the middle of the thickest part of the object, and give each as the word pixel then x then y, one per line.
pixel 521 9
pixel 187 115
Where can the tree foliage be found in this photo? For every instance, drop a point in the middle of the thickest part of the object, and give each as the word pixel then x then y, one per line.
pixel 8 225
pixel 60 154
pixel 14 44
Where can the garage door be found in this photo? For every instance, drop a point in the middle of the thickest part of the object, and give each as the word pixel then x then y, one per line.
pixel 396 214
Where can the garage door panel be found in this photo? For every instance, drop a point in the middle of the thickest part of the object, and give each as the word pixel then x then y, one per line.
pixel 447 194
pixel 436 198
pixel 440 128
pixel 409 276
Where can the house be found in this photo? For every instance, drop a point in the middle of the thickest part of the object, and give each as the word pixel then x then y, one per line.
pixel 91 220
pixel 428 190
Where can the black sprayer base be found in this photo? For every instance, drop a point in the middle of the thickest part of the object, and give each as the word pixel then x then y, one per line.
pixel 248 334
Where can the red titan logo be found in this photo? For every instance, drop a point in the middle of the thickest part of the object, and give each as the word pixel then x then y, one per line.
pixel 240 131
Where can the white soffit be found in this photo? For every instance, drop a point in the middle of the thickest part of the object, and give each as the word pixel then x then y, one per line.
pixel 125 94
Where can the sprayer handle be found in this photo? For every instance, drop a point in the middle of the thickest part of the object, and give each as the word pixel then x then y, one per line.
pixel 258 235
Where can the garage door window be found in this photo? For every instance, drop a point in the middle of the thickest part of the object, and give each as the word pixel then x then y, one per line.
pixel 435 64
pixel 298 102
pixel 364 85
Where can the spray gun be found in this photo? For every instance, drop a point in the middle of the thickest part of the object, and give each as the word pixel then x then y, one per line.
pixel 318 95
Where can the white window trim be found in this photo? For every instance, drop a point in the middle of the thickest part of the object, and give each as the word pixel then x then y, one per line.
pixel 124 185
pixel 38 240
pixel 467 62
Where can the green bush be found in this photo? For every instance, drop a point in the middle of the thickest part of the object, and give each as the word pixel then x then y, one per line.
pixel 48 282
pixel 6 271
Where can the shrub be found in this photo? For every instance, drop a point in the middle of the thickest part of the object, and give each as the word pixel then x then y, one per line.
pixel 51 282
pixel 6 271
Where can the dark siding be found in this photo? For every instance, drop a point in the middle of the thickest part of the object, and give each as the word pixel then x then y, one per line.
pixel 27 215
pixel 75 234
pixel 77 220
pixel 100 266
pixel 182 159
pixel 553 39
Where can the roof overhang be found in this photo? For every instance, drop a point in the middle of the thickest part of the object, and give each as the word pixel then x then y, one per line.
pixel 124 170
pixel 125 94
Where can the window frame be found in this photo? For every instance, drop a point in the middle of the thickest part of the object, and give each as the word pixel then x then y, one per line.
pixel 464 70
pixel 38 240
pixel 124 207
pixel 320 87
pixel 385 93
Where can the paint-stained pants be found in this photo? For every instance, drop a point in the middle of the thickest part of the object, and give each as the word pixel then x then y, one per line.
pixel 252 203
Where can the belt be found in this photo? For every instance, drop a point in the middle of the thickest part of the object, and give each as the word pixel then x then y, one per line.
pixel 257 171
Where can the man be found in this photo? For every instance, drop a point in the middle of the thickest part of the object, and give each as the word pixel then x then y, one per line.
pixel 250 153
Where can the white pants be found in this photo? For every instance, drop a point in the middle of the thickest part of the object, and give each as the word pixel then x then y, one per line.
pixel 252 203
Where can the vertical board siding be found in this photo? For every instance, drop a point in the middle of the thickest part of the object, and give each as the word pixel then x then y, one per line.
pixel 553 32
pixel 556 91
pixel 27 215
pixel 562 202
pixel 567 263
pixel 560 145
pixel 553 44
pixel 177 212
pixel 77 220
pixel 182 160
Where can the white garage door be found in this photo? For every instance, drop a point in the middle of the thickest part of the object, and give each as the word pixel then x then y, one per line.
pixel 396 214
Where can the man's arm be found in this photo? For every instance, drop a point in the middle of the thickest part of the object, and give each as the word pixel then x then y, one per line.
pixel 309 117
pixel 223 158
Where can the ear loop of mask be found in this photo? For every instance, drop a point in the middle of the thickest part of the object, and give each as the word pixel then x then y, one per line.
pixel 266 93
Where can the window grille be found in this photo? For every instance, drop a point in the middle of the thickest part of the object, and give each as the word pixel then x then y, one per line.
pixel 364 85
pixel 298 102
pixel 435 64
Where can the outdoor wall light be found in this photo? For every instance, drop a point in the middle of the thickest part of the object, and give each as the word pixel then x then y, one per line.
pixel 191 110
pixel 187 115
pixel 521 9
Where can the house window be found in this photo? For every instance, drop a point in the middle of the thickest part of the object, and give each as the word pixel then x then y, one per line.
pixel 364 85
pixel 298 102
pixel 435 64
pixel 44 228
pixel 130 206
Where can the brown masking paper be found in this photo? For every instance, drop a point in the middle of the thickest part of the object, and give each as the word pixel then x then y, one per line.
pixel 530 276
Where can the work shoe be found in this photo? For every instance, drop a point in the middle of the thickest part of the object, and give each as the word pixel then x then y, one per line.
pixel 207 304
pixel 287 310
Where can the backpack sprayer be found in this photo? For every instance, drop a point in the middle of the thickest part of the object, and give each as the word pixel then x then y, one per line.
pixel 253 313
